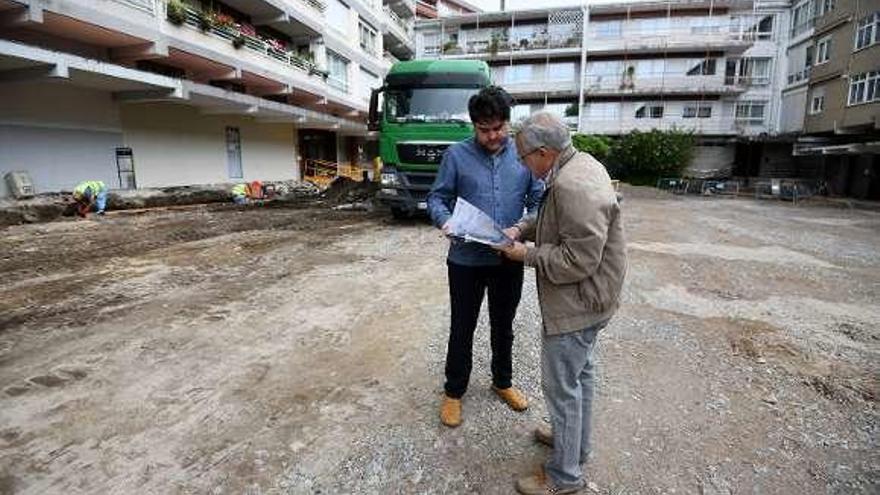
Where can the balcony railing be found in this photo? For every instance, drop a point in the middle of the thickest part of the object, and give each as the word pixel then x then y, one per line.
pixel 239 39
pixel 406 28
pixel 495 44
pixel 148 6
pixel 315 4
pixel 661 83
pixel 801 75
pixel 683 34
pixel 714 125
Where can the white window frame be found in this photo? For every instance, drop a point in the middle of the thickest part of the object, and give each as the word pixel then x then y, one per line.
pixel 869 24
pixel 372 36
pixel 824 6
pixel 340 83
pixel 817 101
pixel 823 50
pixel 697 111
pixel 864 88
pixel 649 110
pixel 750 106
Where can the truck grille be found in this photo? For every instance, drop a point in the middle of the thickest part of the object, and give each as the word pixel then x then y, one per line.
pixel 421 153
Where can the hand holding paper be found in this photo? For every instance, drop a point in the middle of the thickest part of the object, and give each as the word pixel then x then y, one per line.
pixel 471 224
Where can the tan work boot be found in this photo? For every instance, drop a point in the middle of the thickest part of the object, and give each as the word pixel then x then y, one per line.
pixel 539 484
pixel 450 411
pixel 544 435
pixel 514 398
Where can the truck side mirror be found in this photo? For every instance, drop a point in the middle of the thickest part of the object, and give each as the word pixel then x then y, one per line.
pixel 375 118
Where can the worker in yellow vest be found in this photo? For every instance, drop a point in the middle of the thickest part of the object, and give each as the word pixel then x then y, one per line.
pixel 90 194
pixel 240 194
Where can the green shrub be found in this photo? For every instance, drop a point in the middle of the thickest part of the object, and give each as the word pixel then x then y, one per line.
pixel 598 146
pixel 176 12
pixel 643 157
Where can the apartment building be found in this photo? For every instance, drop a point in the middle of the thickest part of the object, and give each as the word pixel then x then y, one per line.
pixel 187 91
pixel 830 97
pixel 707 66
pixel 434 9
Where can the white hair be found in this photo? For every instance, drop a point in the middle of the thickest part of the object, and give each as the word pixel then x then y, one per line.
pixel 545 129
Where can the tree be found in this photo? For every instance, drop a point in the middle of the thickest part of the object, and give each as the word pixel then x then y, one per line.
pixel 598 146
pixel 643 157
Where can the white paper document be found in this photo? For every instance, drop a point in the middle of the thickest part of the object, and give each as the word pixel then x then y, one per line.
pixel 470 223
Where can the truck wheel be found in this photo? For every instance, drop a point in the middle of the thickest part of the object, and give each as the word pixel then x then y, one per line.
pixel 399 213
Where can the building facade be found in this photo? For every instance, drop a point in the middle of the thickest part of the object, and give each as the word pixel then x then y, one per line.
pixel 707 66
pixel 193 91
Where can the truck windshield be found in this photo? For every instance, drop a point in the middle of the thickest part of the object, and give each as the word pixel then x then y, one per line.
pixel 428 104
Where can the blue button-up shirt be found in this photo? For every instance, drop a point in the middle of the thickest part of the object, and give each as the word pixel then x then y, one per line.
pixel 498 184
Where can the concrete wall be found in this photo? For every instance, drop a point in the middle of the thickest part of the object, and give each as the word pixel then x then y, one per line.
pixel 176 145
pixel 59 134
pixel 794 105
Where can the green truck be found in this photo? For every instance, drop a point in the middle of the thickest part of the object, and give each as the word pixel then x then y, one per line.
pixel 424 110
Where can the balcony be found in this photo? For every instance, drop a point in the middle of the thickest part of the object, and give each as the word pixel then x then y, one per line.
pixel 405 9
pixel 661 84
pixel 615 126
pixel 398 34
pixel 677 39
pixel 242 36
pixel 490 44
pixel 541 87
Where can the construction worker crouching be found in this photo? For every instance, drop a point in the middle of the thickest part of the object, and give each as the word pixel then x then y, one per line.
pixel 240 193
pixel 88 194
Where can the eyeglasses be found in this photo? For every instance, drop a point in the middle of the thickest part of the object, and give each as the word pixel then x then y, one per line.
pixel 522 157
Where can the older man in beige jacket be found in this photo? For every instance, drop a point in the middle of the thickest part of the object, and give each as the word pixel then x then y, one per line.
pixel 579 257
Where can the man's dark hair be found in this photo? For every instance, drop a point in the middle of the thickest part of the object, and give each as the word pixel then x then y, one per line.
pixel 491 103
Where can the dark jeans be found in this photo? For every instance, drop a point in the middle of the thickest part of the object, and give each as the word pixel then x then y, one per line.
pixel 467 285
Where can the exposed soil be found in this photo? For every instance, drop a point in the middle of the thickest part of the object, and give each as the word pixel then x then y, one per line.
pixel 294 348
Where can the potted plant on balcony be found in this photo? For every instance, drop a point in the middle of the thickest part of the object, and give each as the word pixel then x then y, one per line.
pixel 524 44
pixel 450 47
pixel 494 45
pixel 176 12
pixel 206 20
pixel 627 80
pixel 244 31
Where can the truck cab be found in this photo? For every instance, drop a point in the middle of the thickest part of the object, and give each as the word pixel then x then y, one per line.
pixel 424 109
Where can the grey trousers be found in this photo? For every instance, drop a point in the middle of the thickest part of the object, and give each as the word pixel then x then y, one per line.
pixel 568 367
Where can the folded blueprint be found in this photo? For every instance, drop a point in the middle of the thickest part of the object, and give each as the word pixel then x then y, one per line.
pixel 470 223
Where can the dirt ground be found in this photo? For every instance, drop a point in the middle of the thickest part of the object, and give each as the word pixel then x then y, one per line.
pixel 300 350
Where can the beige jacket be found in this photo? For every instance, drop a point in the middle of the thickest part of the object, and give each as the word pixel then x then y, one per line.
pixel 580 250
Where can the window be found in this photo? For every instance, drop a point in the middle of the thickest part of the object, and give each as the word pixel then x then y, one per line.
pixel 864 88
pixel 823 7
pixel 750 112
pixel 705 67
pixel 868 31
pixel 338 71
pixel 823 50
pixel 367 38
pixel 755 70
pixel 562 71
pixel 802 18
pixel 817 102
pixel 649 111
pixel 518 73
pixel 607 29
pixel 602 111
pixel 369 81
pixel 765 28
pixel 697 110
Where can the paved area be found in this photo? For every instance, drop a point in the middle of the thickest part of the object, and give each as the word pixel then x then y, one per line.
pixel 280 350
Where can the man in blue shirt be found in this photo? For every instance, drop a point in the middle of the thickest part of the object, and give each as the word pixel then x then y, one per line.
pixel 484 170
